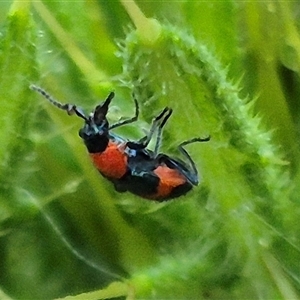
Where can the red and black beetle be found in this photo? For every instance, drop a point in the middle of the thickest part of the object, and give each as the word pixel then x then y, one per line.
pixel 130 165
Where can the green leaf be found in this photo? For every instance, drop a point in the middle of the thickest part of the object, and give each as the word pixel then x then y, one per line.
pixel 18 108
pixel 228 70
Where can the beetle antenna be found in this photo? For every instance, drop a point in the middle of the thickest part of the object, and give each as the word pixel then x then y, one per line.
pixel 102 109
pixel 69 108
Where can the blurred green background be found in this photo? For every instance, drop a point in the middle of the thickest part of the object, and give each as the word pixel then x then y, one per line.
pixel 65 231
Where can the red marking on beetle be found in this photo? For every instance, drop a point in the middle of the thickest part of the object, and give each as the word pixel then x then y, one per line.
pixel 112 162
pixel 168 180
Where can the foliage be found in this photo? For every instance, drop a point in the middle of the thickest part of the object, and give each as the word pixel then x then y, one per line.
pixel 228 69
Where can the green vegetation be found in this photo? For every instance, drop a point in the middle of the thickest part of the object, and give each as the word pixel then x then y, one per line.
pixel 228 69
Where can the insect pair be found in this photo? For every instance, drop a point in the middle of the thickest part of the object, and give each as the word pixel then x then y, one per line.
pixel 130 165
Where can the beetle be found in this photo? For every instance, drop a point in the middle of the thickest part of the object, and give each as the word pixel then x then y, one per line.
pixel 130 165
